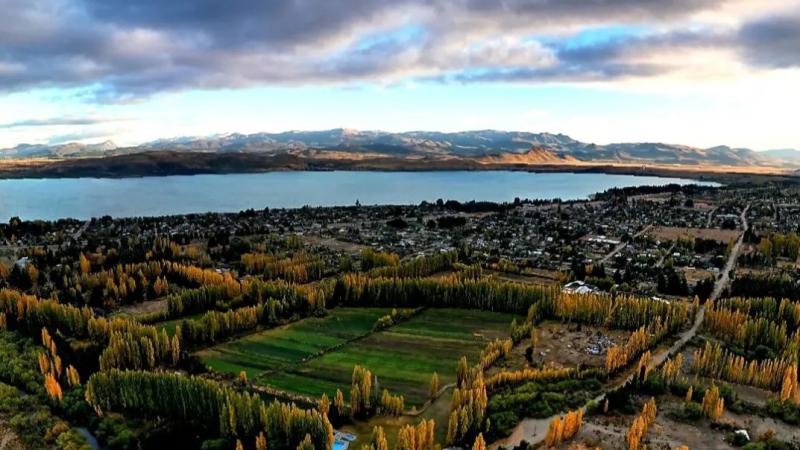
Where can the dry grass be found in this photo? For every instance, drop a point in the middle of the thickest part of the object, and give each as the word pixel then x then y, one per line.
pixel 531 276
pixel 675 233
pixel 144 307
pixel 695 275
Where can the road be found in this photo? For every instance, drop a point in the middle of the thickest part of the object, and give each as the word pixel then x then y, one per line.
pixel 534 431
pixel 710 217
pixel 622 245
pixel 665 255
pixel 724 277
pixel 77 235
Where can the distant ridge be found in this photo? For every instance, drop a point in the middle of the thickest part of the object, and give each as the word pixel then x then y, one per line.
pixel 786 154
pixel 480 146
pixel 536 155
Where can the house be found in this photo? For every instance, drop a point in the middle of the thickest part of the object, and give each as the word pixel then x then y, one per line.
pixel 579 287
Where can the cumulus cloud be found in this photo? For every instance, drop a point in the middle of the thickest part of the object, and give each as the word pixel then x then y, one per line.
pixel 127 49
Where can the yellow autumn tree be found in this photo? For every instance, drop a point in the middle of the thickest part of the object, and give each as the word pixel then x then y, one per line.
pixel 324 404
pixel 564 428
pixel 52 387
pixel 338 403
pixel 713 405
pixel 306 444
pixel 641 424
pixel 479 444
pixel 86 265
pixel 789 384
pixel 378 441
pixel 420 437
pixel 72 376
pixel 261 441
pixel 434 388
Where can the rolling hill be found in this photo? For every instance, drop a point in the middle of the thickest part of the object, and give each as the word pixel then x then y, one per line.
pixel 293 150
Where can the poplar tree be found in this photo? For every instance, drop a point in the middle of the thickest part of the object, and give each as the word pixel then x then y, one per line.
pixel 434 389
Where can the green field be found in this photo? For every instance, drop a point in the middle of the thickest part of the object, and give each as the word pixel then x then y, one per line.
pixel 170 325
pixel 277 348
pixel 403 357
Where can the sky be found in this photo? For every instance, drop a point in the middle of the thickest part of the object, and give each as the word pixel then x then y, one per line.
pixel 694 72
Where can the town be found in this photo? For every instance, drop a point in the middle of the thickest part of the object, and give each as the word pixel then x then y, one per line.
pixel 441 324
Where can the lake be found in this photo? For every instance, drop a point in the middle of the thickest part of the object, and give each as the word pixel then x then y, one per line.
pixel 84 198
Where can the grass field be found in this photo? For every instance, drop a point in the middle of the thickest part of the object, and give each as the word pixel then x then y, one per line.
pixel 403 357
pixel 170 325
pixel 280 347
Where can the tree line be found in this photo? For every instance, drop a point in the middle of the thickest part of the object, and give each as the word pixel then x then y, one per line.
pixel 468 405
pixel 421 266
pixel 562 429
pixel 299 268
pixel 208 404
pixel 292 298
pixel 371 259
pixel 446 292
pixel 767 307
pixel 134 344
pixel 765 285
pixel 772 374
pixel 759 337
pixel 621 311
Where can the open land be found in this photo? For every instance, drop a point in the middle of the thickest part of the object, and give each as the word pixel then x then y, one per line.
pixel 403 358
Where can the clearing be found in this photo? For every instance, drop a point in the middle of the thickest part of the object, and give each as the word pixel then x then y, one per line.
pixel 403 357
pixel 568 345
pixel 674 233
pixel 293 343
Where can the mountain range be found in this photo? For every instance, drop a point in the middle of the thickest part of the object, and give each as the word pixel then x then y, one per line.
pixel 481 147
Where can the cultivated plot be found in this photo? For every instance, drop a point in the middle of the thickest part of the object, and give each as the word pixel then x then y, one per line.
pixel 276 348
pixel 403 357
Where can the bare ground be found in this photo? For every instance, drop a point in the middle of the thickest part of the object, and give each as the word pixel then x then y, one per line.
pixel 8 439
pixel 539 276
pixel 144 307
pixel 334 244
pixel 567 345
pixel 674 233
pixel 608 432
pixel 695 275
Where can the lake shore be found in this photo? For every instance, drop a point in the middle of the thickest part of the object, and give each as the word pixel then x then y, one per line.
pixel 165 163
pixel 83 198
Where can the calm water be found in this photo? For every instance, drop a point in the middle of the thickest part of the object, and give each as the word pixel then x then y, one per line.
pixel 155 196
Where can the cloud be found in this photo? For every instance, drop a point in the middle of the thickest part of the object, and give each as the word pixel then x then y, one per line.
pixel 77 136
pixel 773 41
pixel 57 121
pixel 121 50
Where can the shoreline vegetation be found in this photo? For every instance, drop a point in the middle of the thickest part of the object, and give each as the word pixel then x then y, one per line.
pixel 167 163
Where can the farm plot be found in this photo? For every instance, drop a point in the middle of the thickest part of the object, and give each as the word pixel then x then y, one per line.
pixel 403 357
pixel 289 344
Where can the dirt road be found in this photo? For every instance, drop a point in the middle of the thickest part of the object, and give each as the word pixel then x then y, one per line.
pixel 535 430
pixel 622 245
